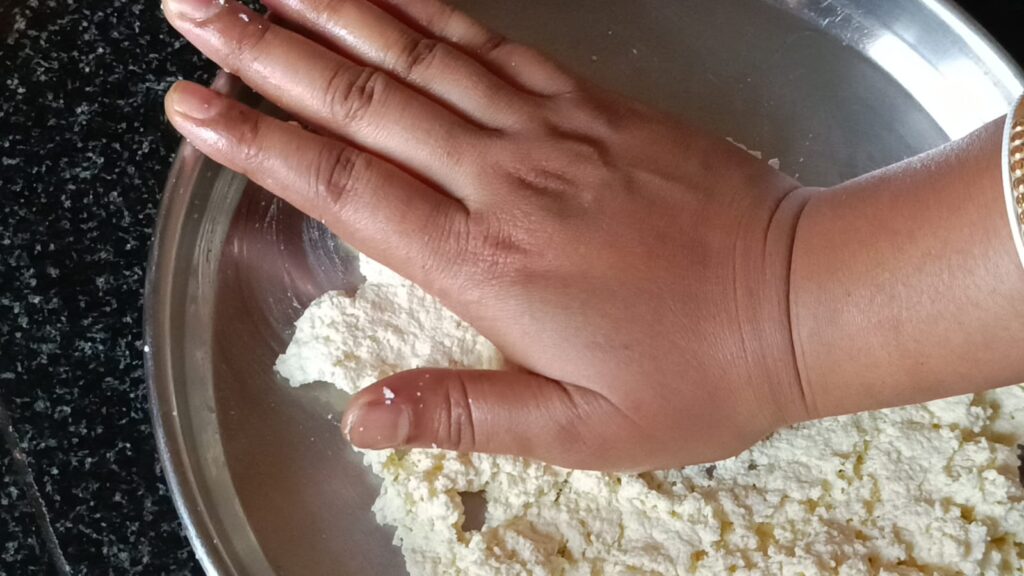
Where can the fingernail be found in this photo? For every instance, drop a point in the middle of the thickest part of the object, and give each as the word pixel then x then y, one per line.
pixel 379 426
pixel 193 101
pixel 194 9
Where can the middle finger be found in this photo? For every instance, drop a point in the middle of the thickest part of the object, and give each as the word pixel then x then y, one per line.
pixel 359 103
pixel 360 28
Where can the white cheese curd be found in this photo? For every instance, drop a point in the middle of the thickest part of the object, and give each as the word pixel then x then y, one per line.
pixel 390 326
pixel 927 489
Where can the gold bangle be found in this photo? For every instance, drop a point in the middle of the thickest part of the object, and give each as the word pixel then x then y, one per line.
pixel 1013 172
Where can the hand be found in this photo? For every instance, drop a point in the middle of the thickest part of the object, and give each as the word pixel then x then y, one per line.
pixel 635 268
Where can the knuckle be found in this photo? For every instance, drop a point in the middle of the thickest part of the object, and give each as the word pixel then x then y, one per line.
pixel 441 18
pixel 555 164
pixel 338 173
pixel 580 112
pixel 549 167
pixel 250 140
pixel 350 96
pixel 442 239
pixel 417 55
pixel 493 247
pixel 492 44
pixel 457 427
pixel 538 179
pixel 248 45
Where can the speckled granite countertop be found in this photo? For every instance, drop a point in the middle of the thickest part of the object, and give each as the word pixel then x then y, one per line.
pixel 84 151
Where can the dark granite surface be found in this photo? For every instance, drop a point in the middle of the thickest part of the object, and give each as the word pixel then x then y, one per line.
pixel 21 546
pixel 83 154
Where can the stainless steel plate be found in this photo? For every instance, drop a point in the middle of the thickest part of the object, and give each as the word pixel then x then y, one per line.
pixel 260 472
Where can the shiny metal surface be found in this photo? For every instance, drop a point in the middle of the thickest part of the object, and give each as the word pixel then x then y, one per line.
pixel 260 472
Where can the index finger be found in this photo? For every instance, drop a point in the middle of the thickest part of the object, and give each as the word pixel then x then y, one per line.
pixel 371 204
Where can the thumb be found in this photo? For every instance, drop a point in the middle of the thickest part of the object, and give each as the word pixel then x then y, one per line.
pixel 498 412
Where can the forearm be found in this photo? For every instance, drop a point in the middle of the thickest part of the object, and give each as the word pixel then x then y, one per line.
pixel 906 285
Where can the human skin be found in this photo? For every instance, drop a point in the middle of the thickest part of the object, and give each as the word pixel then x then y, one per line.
pixel 665 298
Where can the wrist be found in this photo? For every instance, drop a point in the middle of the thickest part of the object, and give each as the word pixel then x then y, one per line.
pixel 906 284
pixel 763 303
